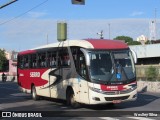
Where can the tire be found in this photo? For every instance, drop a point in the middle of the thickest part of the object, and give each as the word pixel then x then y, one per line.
pixel 34 94
pixel 71 100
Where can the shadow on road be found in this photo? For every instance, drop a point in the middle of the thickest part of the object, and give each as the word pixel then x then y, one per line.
pixel 142 100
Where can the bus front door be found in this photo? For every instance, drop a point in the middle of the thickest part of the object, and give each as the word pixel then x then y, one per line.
pixel 83 90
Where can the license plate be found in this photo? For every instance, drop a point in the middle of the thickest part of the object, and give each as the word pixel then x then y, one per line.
pixel 116 101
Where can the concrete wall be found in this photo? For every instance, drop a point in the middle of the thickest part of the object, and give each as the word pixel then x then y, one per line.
pixel 141 71
pixel 143 84
pixel 146 86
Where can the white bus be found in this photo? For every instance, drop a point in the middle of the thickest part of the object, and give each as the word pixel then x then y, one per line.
pixel 91 71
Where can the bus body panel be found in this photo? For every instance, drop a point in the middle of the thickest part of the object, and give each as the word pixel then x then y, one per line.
pixel 83 90
pixel 110 93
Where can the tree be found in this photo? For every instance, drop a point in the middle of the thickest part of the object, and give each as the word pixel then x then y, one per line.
pixel 127 40
pixel 3 59
pixel 134 43
pixel 151 73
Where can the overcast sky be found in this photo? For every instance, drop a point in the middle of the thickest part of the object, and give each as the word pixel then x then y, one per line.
pixel 25 24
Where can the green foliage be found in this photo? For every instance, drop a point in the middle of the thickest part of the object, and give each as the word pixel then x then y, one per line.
pixel 134 43
pixel 151 73
pixel 127 40
pixel 2 59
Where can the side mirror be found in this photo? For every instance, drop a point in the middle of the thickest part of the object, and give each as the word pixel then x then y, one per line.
pixel 134 55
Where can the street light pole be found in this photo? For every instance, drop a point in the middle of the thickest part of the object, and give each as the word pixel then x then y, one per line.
pixel 109 32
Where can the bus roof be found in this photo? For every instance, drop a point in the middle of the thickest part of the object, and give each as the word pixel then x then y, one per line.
pixel 86 43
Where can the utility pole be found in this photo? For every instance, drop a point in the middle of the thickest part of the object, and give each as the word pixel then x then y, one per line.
pixel 47 39
pixel 152 28
pixel 109 30
pixel 2 6
pixel 155 23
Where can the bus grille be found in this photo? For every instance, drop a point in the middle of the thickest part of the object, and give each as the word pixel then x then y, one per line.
pixel 116 98
pixel 117 92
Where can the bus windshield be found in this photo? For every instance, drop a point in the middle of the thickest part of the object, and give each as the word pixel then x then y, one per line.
pixel 111 65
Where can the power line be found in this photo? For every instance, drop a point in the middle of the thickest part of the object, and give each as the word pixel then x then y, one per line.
pixel 8 4
pixel 24 13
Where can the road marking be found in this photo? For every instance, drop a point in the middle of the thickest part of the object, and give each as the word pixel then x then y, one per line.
pixel 108 118
pixel 19 94
pixel 64 107
pixel 1 108
pixel 140 118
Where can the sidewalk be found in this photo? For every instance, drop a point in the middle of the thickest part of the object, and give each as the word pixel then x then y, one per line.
pixel 10 78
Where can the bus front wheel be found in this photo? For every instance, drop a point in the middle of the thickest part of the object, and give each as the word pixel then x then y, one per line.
pixel 71 100
pixel 34 93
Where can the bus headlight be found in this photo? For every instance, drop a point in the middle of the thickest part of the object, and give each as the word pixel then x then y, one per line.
pixel 95 89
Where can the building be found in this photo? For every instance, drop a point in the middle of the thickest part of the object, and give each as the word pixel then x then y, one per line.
pixel 11 64
pixel 143 39
pixel 147 54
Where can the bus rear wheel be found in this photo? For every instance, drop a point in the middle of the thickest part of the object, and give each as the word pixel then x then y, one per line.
pixel 71 100
pixel 34 93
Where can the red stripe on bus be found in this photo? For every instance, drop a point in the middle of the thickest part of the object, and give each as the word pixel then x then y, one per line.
pixel 116 87
pixel 112 87
pixel 27 80
pixel 27 52
pixel 107 44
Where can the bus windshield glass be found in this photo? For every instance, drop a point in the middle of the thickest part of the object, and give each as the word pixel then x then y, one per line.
pixel 111 65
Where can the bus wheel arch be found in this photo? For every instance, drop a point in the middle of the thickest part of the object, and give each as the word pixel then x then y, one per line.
pixel 70 100
pixel 34 93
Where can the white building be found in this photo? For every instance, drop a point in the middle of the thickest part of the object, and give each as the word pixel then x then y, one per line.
pixel 143 39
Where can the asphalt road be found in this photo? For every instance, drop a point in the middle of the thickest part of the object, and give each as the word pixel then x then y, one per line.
pixel 147 107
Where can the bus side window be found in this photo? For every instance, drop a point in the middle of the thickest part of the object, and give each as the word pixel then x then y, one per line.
pixel 66 61
pixel 38 60
pixel 58 61
pixel 43 61
pixel 66 58
pixel 20 64
pixel 52 62
pixel 75 54
pixel 34 60
pixel 82 67
pixel 26 61
pixel 30 61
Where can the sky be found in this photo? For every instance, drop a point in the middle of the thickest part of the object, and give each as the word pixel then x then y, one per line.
pixel 27 24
